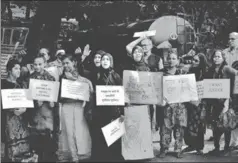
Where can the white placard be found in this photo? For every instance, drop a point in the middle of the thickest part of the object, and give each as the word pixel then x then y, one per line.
pixel 200 89
pixel 110 95
pixel 145 34
pixel 15 98
pixel 113 131
pixel 43 90
pixel 235 91
pixel 216 88
pixel 180 88
pixel 75 90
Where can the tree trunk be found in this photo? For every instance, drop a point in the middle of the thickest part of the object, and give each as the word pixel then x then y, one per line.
pixel 28 10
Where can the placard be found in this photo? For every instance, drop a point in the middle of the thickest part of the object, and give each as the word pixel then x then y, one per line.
pixel 143 87
pixel 137 141
pixel 15 98
pixel 235 91
pixel 145 34
pixel 216 88
pixel 113 131
pixel 43 90
pixel 200 89
pixel 110 95
pixel 75 90
pixel 180 88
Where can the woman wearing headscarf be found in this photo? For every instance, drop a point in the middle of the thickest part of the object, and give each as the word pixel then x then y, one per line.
pixel 103 115
pixel 15 133
pixel 223 118
pixel 194 133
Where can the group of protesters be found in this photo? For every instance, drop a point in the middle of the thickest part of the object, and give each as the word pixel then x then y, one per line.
pixel 70 130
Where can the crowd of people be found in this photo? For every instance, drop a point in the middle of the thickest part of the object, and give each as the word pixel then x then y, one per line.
pixel 70 130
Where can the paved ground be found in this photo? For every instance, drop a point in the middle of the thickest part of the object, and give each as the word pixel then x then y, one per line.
pixel 192 156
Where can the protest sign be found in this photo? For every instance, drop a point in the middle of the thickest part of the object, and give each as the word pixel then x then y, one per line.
pixel 43 90
pixel 145 34
pixel 200 89
pixel 143 87
pixel 110 95
pixel 15 98
pixel 180 88
pixel 113 131
pixel 236 86
pixel 75 90
pixel 137 140
pixel 216 88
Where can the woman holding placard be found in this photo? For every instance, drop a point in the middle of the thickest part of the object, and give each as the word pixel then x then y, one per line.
pixel 103 115
pixel 196 127
pixel 172 117
pixel 74 140
pixel 14 130
pixel 223 117
pixel 42 116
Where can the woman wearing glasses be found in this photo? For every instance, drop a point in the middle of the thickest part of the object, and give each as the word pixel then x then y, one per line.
pixel 194 133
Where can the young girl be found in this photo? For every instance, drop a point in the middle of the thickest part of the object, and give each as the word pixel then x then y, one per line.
pixel 194 133
pixel 172 117
pixel 103 115
pixel 15 133
pixel 223 118
pixel 42 117
pixel 74 140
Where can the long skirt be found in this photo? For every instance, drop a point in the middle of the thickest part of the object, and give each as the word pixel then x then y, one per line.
pixel 74 139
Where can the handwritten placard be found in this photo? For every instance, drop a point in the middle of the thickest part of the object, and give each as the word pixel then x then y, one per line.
pixel 143 87
pixel 15 98
pixel 75 90
pixel 216 88
pixel 43 90
pixel 110 95
pixel 235 91
pixel 200 89
pixel 180 88
pixel 137 141
pixel 145 34
pixel 113 131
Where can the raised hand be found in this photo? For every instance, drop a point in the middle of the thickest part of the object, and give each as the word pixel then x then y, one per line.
pixel 86 50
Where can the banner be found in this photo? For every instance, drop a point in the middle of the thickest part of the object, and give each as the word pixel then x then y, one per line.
pixel 75 90
pixel 43 90
pixel 235 91
pixel 113 131
pixel 15 98
pixel 216 88
pixel 137 141
pixel 180 88
pixel 110 95
pixel 145 34
pixel 143 87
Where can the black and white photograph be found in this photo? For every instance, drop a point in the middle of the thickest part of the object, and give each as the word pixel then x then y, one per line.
pixel 119 81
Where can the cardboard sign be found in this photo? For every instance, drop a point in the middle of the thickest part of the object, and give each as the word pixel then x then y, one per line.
pixel 235 91
pixel 43 90
pixel 110 95
pixel 113 131
pixel 216 88
pixel 15 98
pixel 200 89
pixel 137 141
pixel 143 87
pixel 145 34
pixel 75 90
pixel 180 88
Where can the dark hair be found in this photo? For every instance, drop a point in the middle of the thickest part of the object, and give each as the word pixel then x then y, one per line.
pixel 100 52
pixel 40 55
pixel 222 54
pixel 203 61
pixel 70 57
pixel 11 63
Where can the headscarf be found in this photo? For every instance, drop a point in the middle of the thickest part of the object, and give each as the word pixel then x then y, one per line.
pixel 110 58
pixel 140 65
